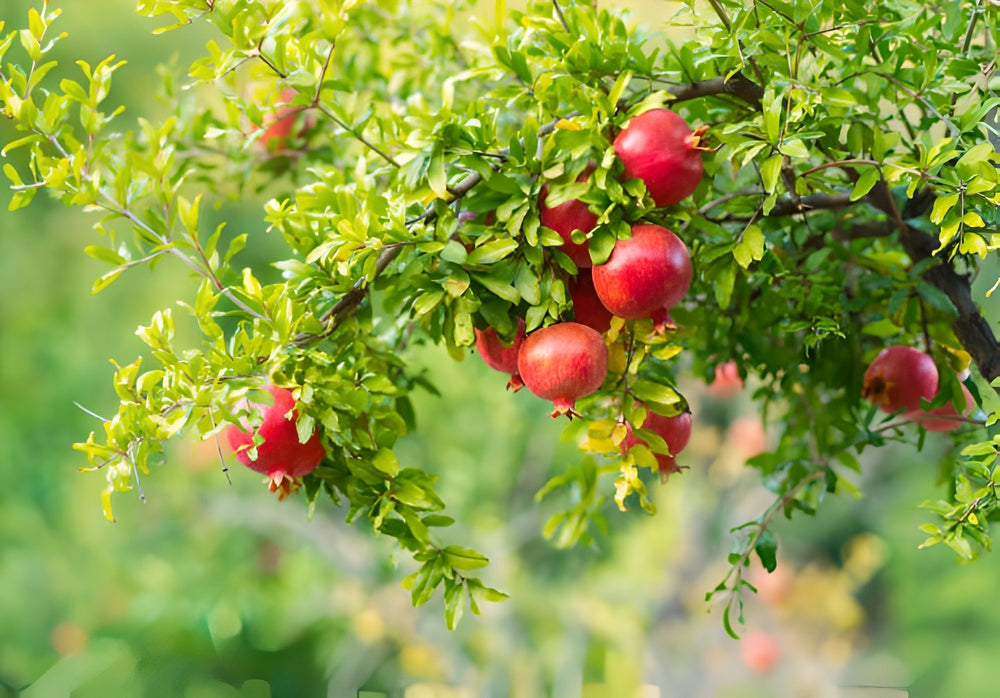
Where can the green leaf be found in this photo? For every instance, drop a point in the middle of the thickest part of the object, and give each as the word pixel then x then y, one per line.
pixel 105 280
pixel 465 558
pixel 104 254
pixel 498 286
pixel 427 579
pixel 492 252
pixel 865 182
pixel 454 603
pixel 385 461
pixel 658 397
pixel 942 205
pixel 770 170
pixel 751 246
pixel 766 548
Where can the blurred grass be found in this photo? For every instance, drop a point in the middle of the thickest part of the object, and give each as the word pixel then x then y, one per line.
pixel 216 590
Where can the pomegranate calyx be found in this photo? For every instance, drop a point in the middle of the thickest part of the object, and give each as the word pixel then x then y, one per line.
pixel 283 484
pixel 694 141
pixel 565 407
pixel 515 383
pixel 662 322
pixel 876 389
pixel 668 467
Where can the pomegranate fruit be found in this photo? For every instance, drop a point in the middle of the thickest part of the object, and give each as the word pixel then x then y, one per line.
pixel 746 436
pixel 587 307
pixel 727 381
pixel 646 274
pixel 659 148
pixel 760 652
pixel 898 377
pixel 946 412
pixel 281 456
pixel 565 218
pixel 563 363
pixel 676 431
pixel 499 356
pixel 278 124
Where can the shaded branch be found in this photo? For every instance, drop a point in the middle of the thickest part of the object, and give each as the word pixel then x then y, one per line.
pixel 970 327
pixel 783 207
pixel 739 86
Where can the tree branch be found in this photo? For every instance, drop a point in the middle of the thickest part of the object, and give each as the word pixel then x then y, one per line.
pixel 783 207
pixel 971 328
pixel 739 86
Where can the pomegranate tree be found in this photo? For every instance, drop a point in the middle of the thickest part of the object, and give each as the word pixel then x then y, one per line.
pixel 646 274
pixel 500 356
pixel 282 457
pixel 659 148
pixel 563 363
pixel 899 377
pixel 675 431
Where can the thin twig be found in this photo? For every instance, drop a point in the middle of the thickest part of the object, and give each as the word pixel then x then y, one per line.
pixel 560 15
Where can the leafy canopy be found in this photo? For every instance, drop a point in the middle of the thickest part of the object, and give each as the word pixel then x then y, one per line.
pixel 850 200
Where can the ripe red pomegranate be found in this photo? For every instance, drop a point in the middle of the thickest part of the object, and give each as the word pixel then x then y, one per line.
pixel 282 457
pixel 659 148
pixel 760 652
pixel 565 218
pixel 898 377
pixel 727 381
pixel 646 274
pixel 562 363
pixel 676 431
pixel 587 307
pixel 945 411
pixel 499 356
pixel 278 124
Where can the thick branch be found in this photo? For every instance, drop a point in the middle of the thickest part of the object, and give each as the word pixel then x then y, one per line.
pixel 783 207
pixel 971 328
pixel 739 86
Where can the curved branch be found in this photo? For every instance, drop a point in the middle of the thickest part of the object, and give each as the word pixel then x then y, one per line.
pixel 970 327
pixel 739 86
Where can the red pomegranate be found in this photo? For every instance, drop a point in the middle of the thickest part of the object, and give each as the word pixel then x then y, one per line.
pixel 281 456
pixel 279 123
pixel 563 363
pixel 727 381
pixel 646 274
pixel 676 431
pixel 587 307
pixel 659 148
pixel 499 356
pixel 945 411
pixel 565 218
pixel 760 652
pixel 898 377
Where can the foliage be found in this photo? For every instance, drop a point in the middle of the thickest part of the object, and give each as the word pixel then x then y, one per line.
pixel 852 197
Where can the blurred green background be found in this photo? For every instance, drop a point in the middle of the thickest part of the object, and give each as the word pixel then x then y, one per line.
pixel 210 589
